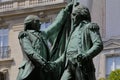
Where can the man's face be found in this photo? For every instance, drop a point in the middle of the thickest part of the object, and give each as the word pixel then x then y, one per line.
pixel 76 16
pixel 36 25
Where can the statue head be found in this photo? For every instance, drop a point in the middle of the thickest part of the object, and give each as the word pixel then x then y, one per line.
pixel 81 13
pixel 32 22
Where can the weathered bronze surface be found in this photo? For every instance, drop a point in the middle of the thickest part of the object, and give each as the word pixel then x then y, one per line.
pixel 75 42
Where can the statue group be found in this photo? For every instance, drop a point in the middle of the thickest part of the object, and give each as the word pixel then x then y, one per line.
pixel 74 39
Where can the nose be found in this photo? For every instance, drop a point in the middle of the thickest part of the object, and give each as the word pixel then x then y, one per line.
pixel 73 15
pixel 40 23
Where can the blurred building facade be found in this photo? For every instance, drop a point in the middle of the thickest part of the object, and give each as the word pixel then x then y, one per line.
pixel 13 12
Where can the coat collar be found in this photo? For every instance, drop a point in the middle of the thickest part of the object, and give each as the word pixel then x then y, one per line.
pixel 32 31
pixel 82 23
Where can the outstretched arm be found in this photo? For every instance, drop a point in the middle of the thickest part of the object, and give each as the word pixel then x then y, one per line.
pixel 53 30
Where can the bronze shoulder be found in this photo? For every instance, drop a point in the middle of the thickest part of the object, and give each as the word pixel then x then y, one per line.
pixel 22 34
pixel 93 26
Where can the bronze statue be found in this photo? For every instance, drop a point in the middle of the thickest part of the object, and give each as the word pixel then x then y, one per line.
pixel 84 43
pixel 36 54
pixel 35 51
pixel 75 42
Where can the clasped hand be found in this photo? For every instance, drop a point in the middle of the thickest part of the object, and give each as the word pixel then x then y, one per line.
pixel 78 58
pixel 49 66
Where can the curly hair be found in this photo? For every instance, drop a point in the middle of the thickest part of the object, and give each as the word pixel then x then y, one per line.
pixel 84 11
pixel 29 20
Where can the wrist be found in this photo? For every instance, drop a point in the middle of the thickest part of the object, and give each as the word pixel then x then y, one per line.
pixel 79 58
pixel 43 66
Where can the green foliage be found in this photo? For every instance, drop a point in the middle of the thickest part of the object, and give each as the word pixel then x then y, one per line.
pixel 114 75
pixel 102 79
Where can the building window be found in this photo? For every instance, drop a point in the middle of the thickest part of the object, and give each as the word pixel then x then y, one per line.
pixel 4 49
pixel 2 76
pixel 4 0
pixel 44 25
pixel 112 63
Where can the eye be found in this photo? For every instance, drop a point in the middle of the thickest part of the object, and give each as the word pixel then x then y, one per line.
pixel 36 21
pixel 73 14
